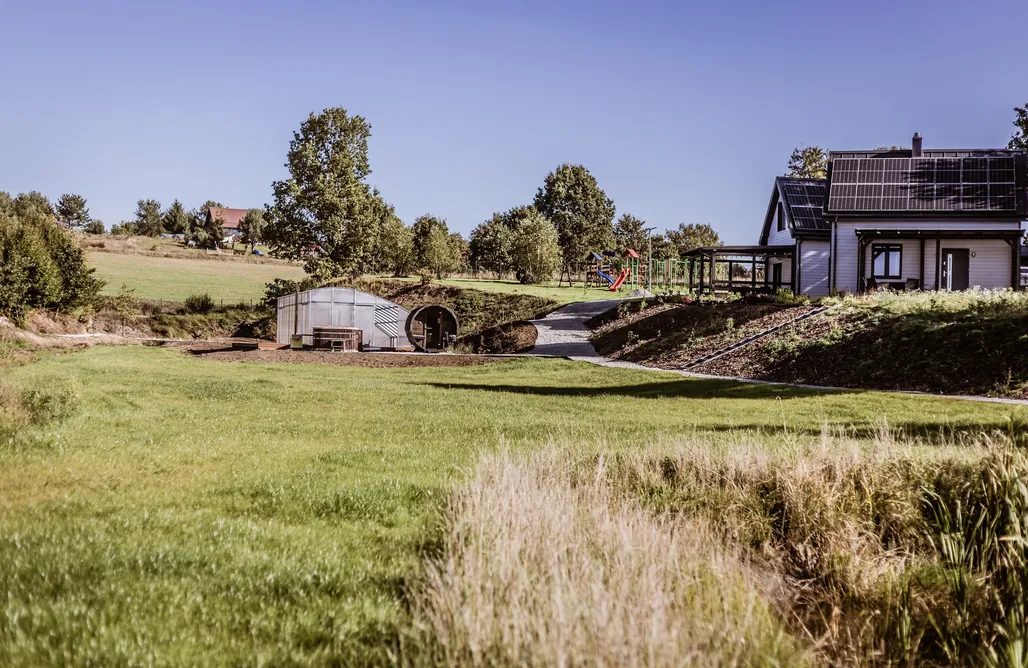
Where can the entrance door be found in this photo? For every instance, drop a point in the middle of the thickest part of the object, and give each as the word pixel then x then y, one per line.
pixel 956 263
pixel 776 276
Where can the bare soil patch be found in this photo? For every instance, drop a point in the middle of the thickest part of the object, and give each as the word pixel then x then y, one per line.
pixel 511 337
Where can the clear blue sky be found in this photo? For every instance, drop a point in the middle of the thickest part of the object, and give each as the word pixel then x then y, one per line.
pixel 684 111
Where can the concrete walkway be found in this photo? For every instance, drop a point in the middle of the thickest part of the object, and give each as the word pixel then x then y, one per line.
pixel 563 333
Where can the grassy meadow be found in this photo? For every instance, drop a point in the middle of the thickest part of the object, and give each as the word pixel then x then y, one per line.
pixel 162 509
pixel 175 278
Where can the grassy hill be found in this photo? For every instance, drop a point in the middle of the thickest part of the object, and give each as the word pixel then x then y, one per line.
pixel 949 343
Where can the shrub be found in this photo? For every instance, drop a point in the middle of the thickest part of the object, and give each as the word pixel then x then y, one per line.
pixel 201 303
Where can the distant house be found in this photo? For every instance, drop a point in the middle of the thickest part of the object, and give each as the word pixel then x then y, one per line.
pixel 231 219
pixel 907 219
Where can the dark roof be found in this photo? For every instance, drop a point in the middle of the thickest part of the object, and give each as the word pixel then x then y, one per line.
pixel 804 201
pixel 948 182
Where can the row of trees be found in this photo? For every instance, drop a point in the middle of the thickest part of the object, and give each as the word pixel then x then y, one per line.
pixel 40 265
pixel 328 215
pixel 195 225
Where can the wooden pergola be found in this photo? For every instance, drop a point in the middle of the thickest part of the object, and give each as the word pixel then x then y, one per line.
pixel 713 268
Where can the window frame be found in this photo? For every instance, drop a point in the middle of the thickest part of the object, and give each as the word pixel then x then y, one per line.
pixel 887 249
pixel 781 216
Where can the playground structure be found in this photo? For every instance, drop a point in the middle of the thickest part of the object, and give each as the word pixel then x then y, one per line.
pixel 613 271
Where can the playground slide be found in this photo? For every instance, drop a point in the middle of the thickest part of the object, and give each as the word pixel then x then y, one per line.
pixel 605 276
pixel 621 279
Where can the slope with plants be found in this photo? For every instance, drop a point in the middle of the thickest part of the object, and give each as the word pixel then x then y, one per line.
pixel 949 343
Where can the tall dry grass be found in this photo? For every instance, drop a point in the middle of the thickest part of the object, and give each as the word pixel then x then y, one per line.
pixel 545 567
pixel 834 551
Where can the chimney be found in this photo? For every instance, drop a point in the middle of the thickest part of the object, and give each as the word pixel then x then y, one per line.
pixel 915 145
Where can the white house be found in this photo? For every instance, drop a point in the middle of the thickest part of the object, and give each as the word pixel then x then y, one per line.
pixel 906 219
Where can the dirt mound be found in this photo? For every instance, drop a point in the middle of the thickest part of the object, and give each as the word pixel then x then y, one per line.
pixel 375 360
pixel 511 337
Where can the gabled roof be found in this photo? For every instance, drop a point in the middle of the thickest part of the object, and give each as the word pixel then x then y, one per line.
pixel 230 218
pixel 804 201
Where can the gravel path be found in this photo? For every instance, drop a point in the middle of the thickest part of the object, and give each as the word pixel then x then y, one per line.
pixel 563 332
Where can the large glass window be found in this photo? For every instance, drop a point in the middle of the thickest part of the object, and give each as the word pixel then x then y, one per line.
pixel 781 217
pixel 887 260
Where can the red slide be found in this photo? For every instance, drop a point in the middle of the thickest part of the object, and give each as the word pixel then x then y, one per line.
pixel 622 277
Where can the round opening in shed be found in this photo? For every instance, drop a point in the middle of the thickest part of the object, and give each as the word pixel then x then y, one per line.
pixel 432 328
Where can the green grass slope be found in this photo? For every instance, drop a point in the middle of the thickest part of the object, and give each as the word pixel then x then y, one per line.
pixel 162 509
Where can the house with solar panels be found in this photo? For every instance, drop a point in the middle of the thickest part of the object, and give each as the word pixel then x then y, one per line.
pixel 933 219
pixel 910 219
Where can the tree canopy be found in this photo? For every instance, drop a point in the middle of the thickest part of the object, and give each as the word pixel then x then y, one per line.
pixel 630 232
pixel 422 232
pixel 687 237
pixel 395 247
pixel 201 231
pixel 535 251
pixel 809 162
pixel 1020 136
pixel 326 213
pixel 580 211
pixel 251 227
pixel 72 208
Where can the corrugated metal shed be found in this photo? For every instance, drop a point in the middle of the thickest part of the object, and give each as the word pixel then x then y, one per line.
pixel 381 320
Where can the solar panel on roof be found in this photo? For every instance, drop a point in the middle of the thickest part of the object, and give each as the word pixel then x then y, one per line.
pixel 923 184
pixel 806 201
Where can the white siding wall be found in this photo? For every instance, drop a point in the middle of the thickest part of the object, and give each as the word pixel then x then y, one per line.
pixel 814 268
pixel 990 268
pixel 776 238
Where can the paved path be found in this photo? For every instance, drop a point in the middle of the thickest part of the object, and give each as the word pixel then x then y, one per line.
pixel 563 333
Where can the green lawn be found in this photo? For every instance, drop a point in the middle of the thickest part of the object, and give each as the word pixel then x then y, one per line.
pixel 154 277
pixel 193 511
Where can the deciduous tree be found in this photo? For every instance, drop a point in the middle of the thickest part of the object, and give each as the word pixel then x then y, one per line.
pixel 395 247
pixel 422 231
pixel 202 230
pixel 490 245
pixel 580 211
pixel 438 253
pixel 251 227
pixel 535 249
pixel 1020 137
pixel 326 213
pixel 148 217
pixel 687 237
pixel 809 162
pixel 630 232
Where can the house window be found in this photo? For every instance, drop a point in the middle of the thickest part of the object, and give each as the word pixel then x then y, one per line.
pixel 886 260
pixel 781 217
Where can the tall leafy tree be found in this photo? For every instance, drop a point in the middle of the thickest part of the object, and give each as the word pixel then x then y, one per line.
pixel 580 211
pixel 1020 137
pixel 630 232
pixel 175 219
pixel 326 213
pixel 72 208
pixel 490 245
pixel 148 217
pixel 439 254
pixel 535 251
pixel 395 247
pixel 460 250
pixel 809 162
pixel 251 227
pixel 422 232
pixel 687 237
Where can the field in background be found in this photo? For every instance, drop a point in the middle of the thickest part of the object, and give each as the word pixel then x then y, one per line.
pixel 165 507
pixel 548 290
pixel 174 278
